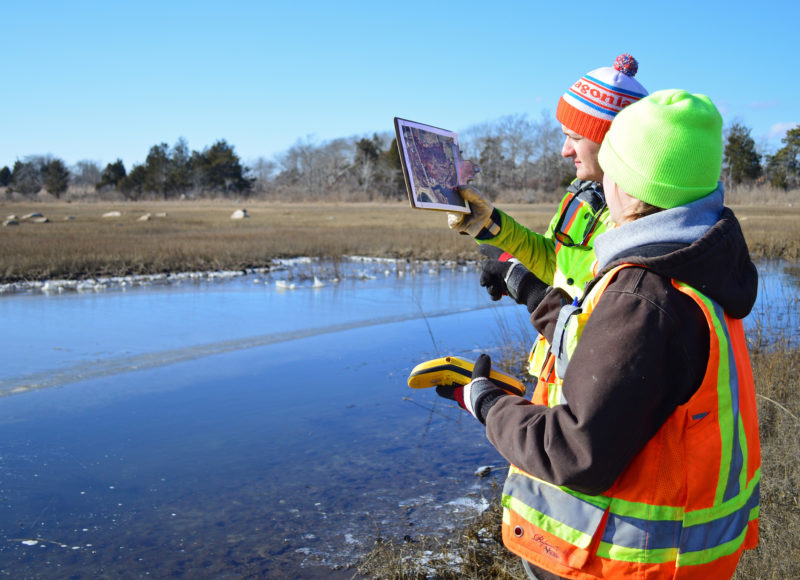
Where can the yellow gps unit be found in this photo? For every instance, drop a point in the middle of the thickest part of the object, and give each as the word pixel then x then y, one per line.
pixel 454 370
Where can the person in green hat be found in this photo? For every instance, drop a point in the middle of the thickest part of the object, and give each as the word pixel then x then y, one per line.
pixel 638 455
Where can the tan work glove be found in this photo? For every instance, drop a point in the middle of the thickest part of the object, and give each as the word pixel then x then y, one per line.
pixel 481 216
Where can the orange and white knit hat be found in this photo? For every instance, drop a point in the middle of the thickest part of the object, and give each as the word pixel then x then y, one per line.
pixel 589 106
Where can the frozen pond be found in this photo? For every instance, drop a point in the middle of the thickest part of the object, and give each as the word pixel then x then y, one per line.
pixel 235 426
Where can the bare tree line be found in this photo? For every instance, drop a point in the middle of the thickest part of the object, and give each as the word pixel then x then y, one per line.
pixel 519 157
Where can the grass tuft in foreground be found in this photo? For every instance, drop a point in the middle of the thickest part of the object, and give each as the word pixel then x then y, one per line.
pixel 474 552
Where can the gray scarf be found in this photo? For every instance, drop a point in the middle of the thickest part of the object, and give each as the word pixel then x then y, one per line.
pixel 683 224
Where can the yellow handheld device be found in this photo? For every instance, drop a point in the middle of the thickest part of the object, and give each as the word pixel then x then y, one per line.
pixel 454 370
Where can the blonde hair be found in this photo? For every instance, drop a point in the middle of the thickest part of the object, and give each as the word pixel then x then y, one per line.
pixel 643 209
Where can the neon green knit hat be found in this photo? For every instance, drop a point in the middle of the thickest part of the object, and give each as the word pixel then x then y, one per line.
pixel 665 149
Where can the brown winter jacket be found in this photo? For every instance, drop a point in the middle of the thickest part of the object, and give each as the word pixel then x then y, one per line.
pixel 643 352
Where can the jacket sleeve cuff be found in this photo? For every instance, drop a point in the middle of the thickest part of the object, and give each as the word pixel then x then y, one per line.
pixel 492 228
pixel 485 403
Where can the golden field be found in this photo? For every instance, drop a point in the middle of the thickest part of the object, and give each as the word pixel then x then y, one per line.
pixel 202 236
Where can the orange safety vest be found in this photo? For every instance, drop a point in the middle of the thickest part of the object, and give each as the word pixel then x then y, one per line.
pixel 685 507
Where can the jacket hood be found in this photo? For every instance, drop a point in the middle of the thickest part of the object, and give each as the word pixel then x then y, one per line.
pixel 700 244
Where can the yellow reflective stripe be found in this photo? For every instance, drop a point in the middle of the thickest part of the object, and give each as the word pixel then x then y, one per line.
pixel 612 552
pixel 554 395
pixel 733 455
pixel 744 448
pixel 706 515
pixel 548 524
pixel 538 356
pixel 636 509
pixel 723 403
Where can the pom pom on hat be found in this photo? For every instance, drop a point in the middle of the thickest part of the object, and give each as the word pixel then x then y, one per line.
pixel 626 64
pixel 589 105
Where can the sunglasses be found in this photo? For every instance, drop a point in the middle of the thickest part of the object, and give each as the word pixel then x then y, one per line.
pixel 566 218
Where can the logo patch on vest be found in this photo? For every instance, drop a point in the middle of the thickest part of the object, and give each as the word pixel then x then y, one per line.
pixel 546 546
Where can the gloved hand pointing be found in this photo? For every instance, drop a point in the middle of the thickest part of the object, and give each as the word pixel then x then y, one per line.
pixel 477 396
pixel 504 274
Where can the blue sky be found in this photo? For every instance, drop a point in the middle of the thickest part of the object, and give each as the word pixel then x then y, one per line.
pixel 101 80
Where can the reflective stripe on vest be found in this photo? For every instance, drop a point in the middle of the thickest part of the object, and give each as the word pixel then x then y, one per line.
pixel 732 479
pixel 611 535
pixel 634 532
pixel 573 263
pixel 573 267
pixel 566 334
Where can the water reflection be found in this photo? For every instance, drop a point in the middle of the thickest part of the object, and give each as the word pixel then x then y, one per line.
pixel 270 434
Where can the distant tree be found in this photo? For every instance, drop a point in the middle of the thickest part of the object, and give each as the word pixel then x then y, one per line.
pixel 218 169
pixel 368 151
pixel 783 168
pixel 741 162
pixel 492 163
pixel 390 180
pixel 55 177
pixel 112 175
pixel 5 176
pixel 516 153
pixel 550 170
pixel 366 166
pixel 132 185
pixel 86 173
pixel 26 177
pixel 263 169
pixel 179 169
pixel 156 167
pixel 300 165
pixel 263 173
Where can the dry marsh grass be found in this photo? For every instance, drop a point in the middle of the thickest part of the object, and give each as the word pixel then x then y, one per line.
pixel 771 231
pixel 201 236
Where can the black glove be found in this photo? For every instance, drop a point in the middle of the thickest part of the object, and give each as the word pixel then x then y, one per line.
pixel 504 274
pixel 477 396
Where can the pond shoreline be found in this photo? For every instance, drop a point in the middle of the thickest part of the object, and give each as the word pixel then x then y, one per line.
pixel 296 272
pixel 76 241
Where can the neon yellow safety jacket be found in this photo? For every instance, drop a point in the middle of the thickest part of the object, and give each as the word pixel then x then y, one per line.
pixel 561 266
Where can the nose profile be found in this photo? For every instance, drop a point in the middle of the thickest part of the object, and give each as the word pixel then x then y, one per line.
pixel 567 150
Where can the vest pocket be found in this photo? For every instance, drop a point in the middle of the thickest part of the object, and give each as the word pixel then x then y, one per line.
pixel 546 524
